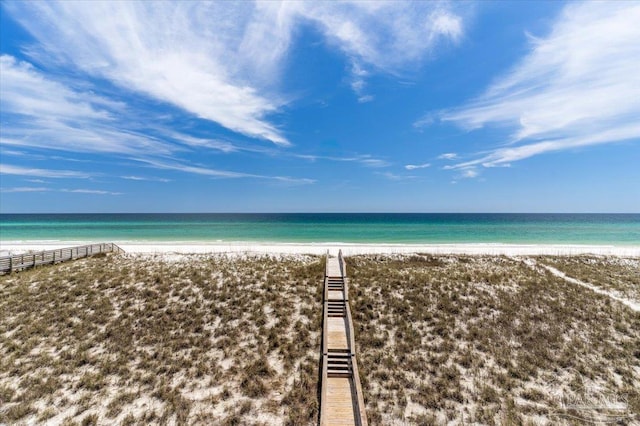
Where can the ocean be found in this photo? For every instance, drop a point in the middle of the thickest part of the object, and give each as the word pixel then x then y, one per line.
pixel 369 228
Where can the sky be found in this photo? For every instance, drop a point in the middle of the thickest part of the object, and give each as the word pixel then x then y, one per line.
pixel 319 106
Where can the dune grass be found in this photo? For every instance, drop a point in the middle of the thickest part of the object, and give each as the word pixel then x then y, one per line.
pixel 197 340
pixel 489 340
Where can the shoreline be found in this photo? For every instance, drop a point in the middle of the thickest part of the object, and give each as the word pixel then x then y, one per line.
pixel 184 247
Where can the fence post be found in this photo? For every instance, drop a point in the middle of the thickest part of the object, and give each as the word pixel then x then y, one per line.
pixel 10 264
pixel 54 257
pixel 34 260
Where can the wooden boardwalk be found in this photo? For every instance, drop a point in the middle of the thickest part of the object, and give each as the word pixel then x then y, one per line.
pixel 20 262
pixel 341 401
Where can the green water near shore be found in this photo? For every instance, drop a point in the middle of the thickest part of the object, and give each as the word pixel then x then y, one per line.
pixel 592 229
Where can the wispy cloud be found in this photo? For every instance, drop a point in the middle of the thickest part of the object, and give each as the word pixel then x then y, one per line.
pixel 25 189
pixel 222 61
pixel 40 112
pixel 291 181
pixel 417 166
pixel 182 53
pixel 387 35
pixel 146 178
pixel 43 113
pixel 464 171
pixel 44 189
pixel 578 86
pixel 189 55
pixel 8 169
pixel 448 156
pixel 214 173
pixel 396 177
pixel 426 120
pixel 91 191
pixel 366 160
pixel 215 144
pixel 11 152
pixel 23 87
pixel 470 173
pixel 358 83
pixel 383 35
pixel 193 169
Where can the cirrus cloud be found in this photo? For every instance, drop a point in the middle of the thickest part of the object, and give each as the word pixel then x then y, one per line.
pixel 224 61
pixel 181 53
pixel 578 86
pixel 417 166
pixel 8 169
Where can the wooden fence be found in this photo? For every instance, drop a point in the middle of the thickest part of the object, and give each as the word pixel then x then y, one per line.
pixel 20 262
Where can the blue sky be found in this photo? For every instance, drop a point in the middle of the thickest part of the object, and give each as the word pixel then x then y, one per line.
pixel 320 106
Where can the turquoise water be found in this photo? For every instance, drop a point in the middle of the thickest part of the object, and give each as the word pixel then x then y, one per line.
pixel 598 229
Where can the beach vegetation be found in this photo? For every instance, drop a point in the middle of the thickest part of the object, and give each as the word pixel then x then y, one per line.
pixel 235 339
pixel 190 339
pixel 491 340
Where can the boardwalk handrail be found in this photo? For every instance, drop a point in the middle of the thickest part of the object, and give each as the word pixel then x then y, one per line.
pixel 357 388
pixel 18 262
pixel 343 269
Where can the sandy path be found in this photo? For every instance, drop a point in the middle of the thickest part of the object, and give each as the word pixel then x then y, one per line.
pixel 635 306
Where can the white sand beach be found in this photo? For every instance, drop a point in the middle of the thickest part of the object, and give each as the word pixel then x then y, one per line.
pixel 17 247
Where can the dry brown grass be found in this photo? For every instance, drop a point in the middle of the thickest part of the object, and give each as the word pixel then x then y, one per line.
pixel 217 340
pixel 135 340
pixel 489 340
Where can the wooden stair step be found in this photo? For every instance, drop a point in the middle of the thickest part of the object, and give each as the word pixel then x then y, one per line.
pixel 344 354
pixel 339 366
pixel 345 375
pixel 332 351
